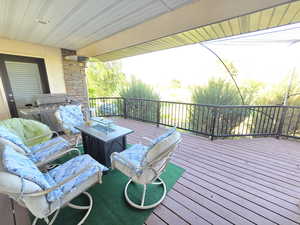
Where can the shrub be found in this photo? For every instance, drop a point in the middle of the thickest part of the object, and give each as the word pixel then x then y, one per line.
pixel 143 110
pixel 217 92
pixel 138 89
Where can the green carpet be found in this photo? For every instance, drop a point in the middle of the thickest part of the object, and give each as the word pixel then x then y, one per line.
pixel 110 207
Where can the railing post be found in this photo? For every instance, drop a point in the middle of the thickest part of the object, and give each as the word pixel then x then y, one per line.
pixel 158 114
pixel 213 124
pixel 281 122
pixel 125 108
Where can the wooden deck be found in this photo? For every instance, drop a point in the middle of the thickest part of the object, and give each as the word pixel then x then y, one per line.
pixel 246 181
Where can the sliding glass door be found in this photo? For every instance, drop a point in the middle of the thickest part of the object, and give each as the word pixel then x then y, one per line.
pixel 23 78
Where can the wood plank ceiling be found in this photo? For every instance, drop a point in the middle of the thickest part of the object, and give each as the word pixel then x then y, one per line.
pixel 277 16
pixel 76 23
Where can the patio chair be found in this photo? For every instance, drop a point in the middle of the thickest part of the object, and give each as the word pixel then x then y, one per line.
pixel 30 131
pixel 44 194
pixel 69 117
pixel 144 165
pixel 40 154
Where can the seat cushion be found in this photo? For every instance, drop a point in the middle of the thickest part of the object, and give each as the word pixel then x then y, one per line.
pixel 132 157
pixel 10 136
pixel 23 167
pixel 72 167
pixel 52 147
pixel 71 116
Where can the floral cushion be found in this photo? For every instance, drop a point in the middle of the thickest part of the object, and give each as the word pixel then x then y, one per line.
pixel 71 117
pixel 52 147
pixel 72 167
pixel 165 135
pixel 23 167
pixel 134 155
pixel 8 135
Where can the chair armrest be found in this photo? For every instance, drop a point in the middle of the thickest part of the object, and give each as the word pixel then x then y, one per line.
pixel 40 136
pixel 129 164
pixel 44 192
pixel 68 151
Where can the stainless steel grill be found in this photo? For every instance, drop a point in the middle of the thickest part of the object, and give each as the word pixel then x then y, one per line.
pixel 44 108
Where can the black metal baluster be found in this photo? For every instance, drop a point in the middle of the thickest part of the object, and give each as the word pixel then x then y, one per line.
pixel 297 123
pixel 290 121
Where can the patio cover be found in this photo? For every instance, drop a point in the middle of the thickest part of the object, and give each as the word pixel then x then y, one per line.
pixel 242 21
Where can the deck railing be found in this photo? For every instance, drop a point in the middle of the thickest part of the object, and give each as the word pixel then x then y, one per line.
pixel 208 120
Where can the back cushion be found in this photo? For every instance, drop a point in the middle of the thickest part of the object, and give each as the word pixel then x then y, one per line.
pixel 23 167
pixel 162 146
pixel 5 142
pixel 165 135
pixel 8 135
pixel 71 116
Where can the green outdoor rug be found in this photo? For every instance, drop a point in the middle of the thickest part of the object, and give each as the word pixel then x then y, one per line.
pixel 110 207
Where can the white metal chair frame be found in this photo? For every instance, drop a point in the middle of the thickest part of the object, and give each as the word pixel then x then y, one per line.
pixel 167 157
pixel 55 213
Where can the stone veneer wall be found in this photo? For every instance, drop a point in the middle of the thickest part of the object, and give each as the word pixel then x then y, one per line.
pixel 75 78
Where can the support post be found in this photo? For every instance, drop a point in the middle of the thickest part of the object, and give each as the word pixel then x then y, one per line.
pixel 125 108
pixel 213 124
pixel 281 122
pixel 158 114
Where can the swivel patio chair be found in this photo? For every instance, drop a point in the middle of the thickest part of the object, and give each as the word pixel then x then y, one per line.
pixel 41 154
pixel 69 117
pixel 144 165
pixel 44 194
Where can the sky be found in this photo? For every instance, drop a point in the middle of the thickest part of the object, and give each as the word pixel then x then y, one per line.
pixel 265 56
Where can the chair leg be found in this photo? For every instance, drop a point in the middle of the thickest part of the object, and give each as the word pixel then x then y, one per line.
pixel 71 205
pixel 142 204
pixel 78 137
pixel 88 208
pixel 46 219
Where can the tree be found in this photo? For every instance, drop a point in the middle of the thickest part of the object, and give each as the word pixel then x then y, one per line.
pixel 218 91
pixel 251 91
pixel 144 110
pixel 104 79
pixel 138 89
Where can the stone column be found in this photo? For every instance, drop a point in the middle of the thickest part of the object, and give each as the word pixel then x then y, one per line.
pixel 75 78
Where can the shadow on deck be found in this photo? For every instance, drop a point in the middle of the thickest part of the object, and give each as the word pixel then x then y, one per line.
pixel 246 181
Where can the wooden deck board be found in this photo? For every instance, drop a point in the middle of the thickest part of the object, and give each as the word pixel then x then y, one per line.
pixel 6 216
pixel 245 181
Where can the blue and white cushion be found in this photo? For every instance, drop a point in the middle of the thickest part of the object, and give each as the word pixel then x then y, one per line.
pixel 23 167
pixel 52 147
pixel 71 117
pixel 8 135
pixel 165 135
pixel 72 167
pixel 134 155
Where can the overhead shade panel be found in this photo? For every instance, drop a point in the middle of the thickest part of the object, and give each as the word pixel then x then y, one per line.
pixel 269 18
